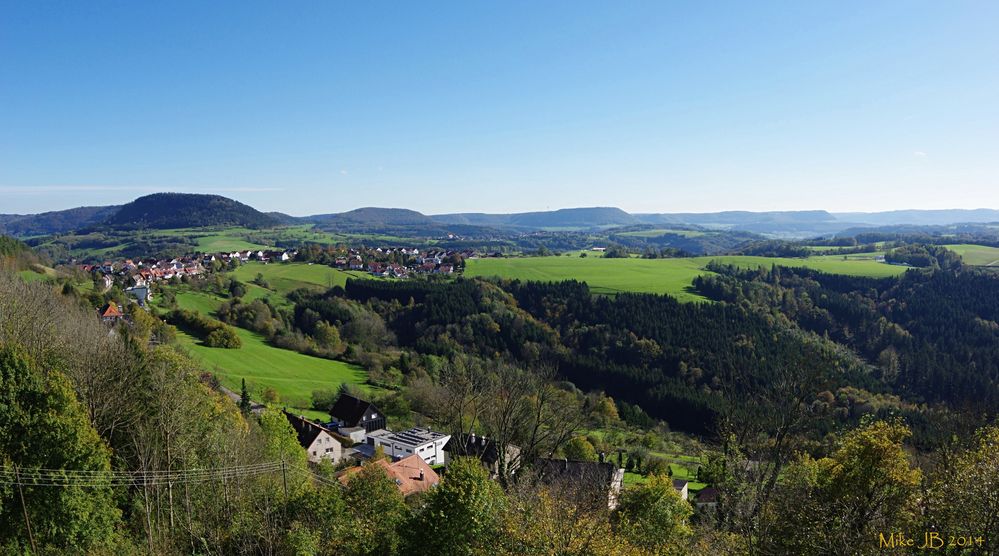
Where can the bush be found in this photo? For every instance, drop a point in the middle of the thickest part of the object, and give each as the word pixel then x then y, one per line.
pixel 270 395
pixel 323 400
pixel 223 338
pixel 214 333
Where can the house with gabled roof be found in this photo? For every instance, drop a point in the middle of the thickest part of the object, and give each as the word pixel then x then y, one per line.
pixel 110 313
pixel 584 477
pixel 485 450
pixel 319 442
pixel 681 488
pixel 349 411
pixel 411 474
pixel 706 499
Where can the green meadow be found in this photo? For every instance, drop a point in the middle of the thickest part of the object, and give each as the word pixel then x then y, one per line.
pixel 670 276
pixel 34 275
pixel 662 232
pixel 293 375
pixel 976 255
pixel 284 278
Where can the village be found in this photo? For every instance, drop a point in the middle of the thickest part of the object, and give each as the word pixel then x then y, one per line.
pixel 416 458
pixel 136 276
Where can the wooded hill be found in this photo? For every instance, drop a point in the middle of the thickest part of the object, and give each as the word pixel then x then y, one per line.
pixel 185 210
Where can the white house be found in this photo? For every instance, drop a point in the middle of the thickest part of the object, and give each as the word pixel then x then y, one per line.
pixel 427 444
pixel 318 441
pixel 680 486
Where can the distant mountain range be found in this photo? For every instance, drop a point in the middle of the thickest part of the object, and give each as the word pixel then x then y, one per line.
pixel 183 210
pixel 596 217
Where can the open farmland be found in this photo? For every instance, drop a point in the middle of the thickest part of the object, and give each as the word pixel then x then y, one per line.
pixel 670 276
pixel 977 255
pixel 293 375
pixel 662 232
pixel 284 278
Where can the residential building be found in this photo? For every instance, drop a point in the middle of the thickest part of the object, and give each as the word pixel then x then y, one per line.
pixel 427 444
pixel 411 474
pixel 588 481
pixel 319 442
pixel 141 294
pixel 706 499
pixel 110 313
pixel 680 486
pixel 349 411
pixel 485 449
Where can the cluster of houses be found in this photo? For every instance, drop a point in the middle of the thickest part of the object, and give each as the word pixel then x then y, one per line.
pixel 267 256
pixel 386 262
pixel 357 431
pixel 132 273
pixel 136 276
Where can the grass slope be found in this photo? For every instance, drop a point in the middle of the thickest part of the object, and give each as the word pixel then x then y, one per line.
pixel 671 276
pixel 977 255
pixel 284 278
pixel 293 375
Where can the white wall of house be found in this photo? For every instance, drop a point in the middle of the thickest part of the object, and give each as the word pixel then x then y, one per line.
pixel 325 447
pixel 431 452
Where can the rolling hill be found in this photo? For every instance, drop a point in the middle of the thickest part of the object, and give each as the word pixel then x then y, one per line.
pixel 186 210
pixel 54 222
pixel 375 216
pixel 586 217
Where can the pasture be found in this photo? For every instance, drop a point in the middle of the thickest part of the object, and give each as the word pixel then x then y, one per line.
pixel 670 276
pixel 662 232
pixel 976 255
pixel 293 375
pixel 284 278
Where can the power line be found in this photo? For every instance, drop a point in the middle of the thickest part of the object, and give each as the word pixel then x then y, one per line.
pixel 43 477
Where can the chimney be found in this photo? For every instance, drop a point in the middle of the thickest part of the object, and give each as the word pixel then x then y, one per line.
pixel 602 456
pixel 421 474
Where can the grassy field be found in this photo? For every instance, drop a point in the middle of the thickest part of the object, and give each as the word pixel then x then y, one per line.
pixel 672 276
pixel 977 255
pixel 284 278
pixel 662 232
pixel 33 276
pixel 220 243
pixel 293 375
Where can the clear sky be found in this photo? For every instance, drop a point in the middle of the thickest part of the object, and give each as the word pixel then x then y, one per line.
pixel 315 107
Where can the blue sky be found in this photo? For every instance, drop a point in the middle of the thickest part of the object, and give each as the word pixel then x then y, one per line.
pixel 314 107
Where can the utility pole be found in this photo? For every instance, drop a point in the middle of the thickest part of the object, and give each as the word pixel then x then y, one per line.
pixel 24 509
pixel 284 477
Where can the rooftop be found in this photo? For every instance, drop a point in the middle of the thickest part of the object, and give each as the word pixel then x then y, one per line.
pixel 413 437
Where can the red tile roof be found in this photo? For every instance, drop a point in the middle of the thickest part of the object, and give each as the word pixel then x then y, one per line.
pixel 405 473
pixel 110 311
